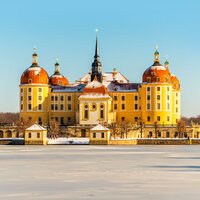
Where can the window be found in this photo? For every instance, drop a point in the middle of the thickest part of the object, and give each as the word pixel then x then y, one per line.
pixel 69 98
pixel 158 118
pixel 168 118
pixel 136 106
pixel 52 98
pixel 158 106
pixel 167 89
pixel 52 106
pixel 168 97
pixel 69 106
pixel 123 98
pixel 38 135
pixel 148 118
pixel 21 98
pixel 136 98
pixel 158 97
pixel 40 98
pixel 30 118
pixel 115 106
pixel 158 88
pixel 29 106
pixel 29 90
pixel 56 118
pixel 61 106
pixel 39 89
pixel 62 120
pixel 176 109
pixel 176 102
pixel 168 106
pixel 86 112
pixel 102 135
pixel 29 135
pixel 158 79
pixel 69 119
pixel 40 106
pixel 102 111
pixel 115 98
pixel 176 94
pixel 21 106
pixel 94 106
pixel 148 97
pixel 123 119
pixel 29 81
pixel 29 98
pixel 123 106
pixel 148 79
pixel 21 90
pixel 148 106
pixel 148 89
pixel 56 98
pixel 94 135
pixel 39 120
pixel 62 98
pixel 136 119
pixel 56 106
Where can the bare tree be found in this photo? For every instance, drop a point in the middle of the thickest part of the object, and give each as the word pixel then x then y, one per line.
pixel 181 128
pixel 54 129
pixel 22 125
pixel 156 129
pixel 114 127
pixel 125 127
pixel 9 118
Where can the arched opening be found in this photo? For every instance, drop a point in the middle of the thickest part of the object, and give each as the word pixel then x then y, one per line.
pixel 1 134
pixel 8 134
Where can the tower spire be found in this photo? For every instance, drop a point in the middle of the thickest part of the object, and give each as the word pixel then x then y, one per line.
pixel 96 56
pixel 96 65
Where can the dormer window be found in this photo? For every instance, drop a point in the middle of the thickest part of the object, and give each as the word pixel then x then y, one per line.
pixel 158 79
pixel 148 79
pixel 29 81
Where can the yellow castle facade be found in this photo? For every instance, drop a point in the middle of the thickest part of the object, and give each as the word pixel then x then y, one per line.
pixel 100 97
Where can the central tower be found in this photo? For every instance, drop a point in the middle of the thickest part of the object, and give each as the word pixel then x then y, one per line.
pixel 96 65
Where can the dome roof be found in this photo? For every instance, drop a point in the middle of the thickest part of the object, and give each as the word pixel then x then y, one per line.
pixel 34 74
pixel 156 72
pixel 175 82
pixel 57 78
pixel 95 87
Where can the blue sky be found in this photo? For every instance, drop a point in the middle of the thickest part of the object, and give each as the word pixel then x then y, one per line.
pixel 129 30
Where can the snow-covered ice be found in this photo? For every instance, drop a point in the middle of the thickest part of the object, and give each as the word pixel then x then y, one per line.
pixel 99 172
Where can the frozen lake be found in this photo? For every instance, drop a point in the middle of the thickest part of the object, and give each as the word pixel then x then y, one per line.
pixel 100 172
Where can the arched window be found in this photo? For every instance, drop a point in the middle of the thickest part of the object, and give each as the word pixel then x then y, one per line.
pixel 101 111
pixel 86 111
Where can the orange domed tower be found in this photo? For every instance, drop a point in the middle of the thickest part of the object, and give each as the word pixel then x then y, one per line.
pixel 34 74
pixel 34 92
pixel 160 94
pixel 156 72
pixel 57 78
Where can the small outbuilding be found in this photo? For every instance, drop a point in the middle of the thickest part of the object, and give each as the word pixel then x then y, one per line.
pixel 36 134
pixel 99 135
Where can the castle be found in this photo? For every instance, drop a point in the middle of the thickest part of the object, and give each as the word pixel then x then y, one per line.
pixel 100 97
